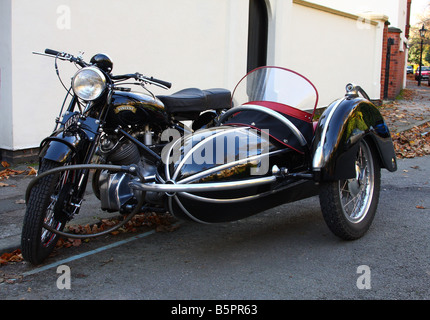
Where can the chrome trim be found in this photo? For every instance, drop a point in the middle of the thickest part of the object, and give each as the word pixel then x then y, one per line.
pixel 225 166
pixel 201 187
pixel 223 201
pixel 235 200
pixel 251 107
pixel 318 160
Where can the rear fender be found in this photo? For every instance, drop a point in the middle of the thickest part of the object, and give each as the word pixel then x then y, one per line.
pixel 340 129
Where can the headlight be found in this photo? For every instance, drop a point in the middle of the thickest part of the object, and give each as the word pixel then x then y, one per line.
pixel 89 83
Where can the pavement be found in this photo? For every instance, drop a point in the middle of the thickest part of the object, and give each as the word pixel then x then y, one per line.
pixel 414 110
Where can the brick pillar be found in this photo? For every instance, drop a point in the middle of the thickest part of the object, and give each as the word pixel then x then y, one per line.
pixel 397 63
pixel 384 57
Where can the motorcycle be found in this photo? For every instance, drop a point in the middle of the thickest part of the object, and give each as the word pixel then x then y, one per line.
pixel 265 150
pixel 105 127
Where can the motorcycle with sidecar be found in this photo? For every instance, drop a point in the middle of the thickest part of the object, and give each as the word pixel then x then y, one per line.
pixel 266 150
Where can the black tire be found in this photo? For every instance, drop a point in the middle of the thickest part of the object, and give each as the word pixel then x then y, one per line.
pixel 36 241
pixel 349 206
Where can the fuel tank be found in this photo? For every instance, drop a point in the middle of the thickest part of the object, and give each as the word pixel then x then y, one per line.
pixel 132 108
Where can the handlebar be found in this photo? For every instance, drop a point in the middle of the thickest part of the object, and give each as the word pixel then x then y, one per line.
pixel 156 81
pixel 80 62
pixel 143 78
pixel 53 52
pixel 65 56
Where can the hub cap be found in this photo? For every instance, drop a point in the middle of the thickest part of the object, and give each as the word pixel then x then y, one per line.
pixel 356 194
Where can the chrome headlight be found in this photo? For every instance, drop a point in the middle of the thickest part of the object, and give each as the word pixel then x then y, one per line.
pixel 89 83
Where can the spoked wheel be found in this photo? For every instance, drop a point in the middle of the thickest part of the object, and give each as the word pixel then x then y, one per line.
pixel 349 206
pixel 46 205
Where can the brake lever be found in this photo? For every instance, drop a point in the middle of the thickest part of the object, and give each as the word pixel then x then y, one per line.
pixel 65 57
pixel 155 82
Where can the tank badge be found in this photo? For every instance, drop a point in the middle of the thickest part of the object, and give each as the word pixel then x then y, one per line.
pixel 125 108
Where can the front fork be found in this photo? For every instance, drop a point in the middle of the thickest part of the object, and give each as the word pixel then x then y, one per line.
pixel 73 144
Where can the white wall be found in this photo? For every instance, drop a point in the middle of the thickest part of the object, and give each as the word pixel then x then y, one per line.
pixel 394 9
pixel 6 137
pixel 191 43
pixel 329 49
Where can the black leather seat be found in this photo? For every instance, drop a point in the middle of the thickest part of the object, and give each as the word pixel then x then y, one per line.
pixel 193 100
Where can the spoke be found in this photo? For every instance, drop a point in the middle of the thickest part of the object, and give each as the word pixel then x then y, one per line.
pixel 356 193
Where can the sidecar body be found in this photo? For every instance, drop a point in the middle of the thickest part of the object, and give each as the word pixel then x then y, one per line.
pixel 268 150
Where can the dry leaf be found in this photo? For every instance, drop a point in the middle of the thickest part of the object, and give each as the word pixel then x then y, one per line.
pixel 32 171
pixel 5 164
pixel 15 256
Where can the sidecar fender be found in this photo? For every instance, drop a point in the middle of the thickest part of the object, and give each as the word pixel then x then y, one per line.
pixel 340 129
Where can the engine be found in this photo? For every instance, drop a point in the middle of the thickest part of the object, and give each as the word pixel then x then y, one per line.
pixel 113 188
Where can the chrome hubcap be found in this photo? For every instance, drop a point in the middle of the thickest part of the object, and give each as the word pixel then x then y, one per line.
pixel 356 194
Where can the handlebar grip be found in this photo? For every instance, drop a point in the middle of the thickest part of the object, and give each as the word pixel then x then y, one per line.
pixel 164 83
pixel 52 52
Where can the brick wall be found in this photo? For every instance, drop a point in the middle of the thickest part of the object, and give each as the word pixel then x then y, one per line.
pixel 19 156
pixel 396 72
pixel 384 58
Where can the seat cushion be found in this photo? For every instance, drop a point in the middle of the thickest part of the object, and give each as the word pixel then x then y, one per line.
pixel 186 100
pixel 218 98
pixel 196 100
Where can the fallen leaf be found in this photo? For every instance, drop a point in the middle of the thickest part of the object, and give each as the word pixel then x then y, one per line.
pixel 76 242
pixel 5 164
pixel 107 261
pixel 15 256
pixel 32 171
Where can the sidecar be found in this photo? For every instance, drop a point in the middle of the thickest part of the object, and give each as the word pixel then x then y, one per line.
pixel 267 150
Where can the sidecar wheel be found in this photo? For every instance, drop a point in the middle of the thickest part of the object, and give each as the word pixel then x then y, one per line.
pixel 349 206
pixel 37 242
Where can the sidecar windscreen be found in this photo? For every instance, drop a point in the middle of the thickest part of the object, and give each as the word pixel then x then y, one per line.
pixel 277 86
pixel 281 90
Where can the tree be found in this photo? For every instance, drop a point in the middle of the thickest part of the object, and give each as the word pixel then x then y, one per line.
pixel 415 40
pixel 427 57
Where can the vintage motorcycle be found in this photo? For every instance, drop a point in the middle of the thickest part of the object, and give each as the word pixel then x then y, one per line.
pixel 105 123
pixel 264 151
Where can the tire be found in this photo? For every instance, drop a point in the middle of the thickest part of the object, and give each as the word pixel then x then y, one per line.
pixel 37 242
pixel 349 206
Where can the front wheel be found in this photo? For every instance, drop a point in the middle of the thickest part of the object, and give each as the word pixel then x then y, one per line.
pixel 46 204
pixel 349 206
